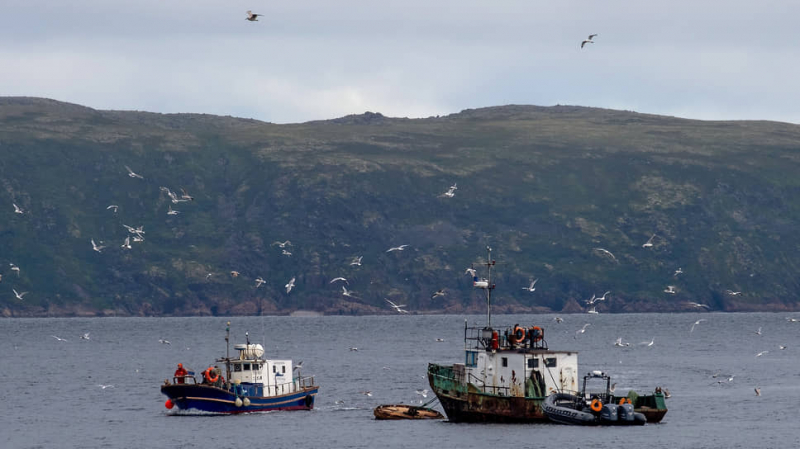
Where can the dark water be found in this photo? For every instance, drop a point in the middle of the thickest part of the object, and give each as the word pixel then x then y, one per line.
pixel 52 399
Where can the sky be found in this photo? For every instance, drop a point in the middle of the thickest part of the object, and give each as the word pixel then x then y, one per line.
pixel 320 59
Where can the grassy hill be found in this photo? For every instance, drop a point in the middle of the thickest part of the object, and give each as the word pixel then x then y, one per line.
pixel 544 186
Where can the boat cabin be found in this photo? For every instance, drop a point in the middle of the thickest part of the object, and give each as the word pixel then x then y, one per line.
pixel 515 361
pixel 258 376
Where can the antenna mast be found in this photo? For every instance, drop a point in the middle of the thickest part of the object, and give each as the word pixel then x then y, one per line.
pixel 489 264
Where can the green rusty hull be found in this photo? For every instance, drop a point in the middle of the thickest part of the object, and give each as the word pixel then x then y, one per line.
pixel 466 403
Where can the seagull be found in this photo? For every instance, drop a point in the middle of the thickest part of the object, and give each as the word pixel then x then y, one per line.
pixel 603 298
pixel 113 206
pixel 558 319
pixel 648 343
pixel 164 342
pixel 97 248
pixel 423 393
pixel 591 300
pixel 649 242
pixel 339 279
pixel 606 253
pixel 85 336
pixel 59 338
pixel 733 293
pixel 758 391
pixel 346 292
pixel 105 386
pixel 366 393
pixel 252 17
pixel 172 196
pixel 613 387
pixel 208 276
pixel 185 195
pixel 17 210
pixel 592 310
pixel 14 268
pixel 132 174
pixel 619 342
pixel 677 272
pixel 695 324
pixel 354 349
pixel 172 212
pixel 761 353
pixel 290 285
pixel 438 293
pixel 19 295
pixel 357 261
pixel 398 308
pixel 667 395
pixel 581 330
pixel 127 244
pixel 591 36
pixel 532 287
pixel 282 244
pixel 138 238
pixel 470 271
pixel 260 281
pixel 298 366
pixel 758 332
pixel 587 41
pixel 396 248
pixel 286 253
pixel 234 273
pixel 781 347
pixel 670 289
pixel 694 304
pixel 791 320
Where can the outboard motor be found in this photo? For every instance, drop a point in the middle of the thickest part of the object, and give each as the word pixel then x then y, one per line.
pixel 609 413
pixel 625 413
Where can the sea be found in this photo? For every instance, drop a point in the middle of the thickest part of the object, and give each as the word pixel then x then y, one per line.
pixel 53 395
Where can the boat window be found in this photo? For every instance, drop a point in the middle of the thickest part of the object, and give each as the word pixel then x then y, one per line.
pixel 550 362
pixel 505 361
pixel 274 369
pixel 237 367
pixel 533 363
pixel 471 359
pixel 256 367
pixel 283 368
pixel 247 367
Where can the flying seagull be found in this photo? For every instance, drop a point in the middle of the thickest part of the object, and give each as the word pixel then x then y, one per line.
pixel 761 353
pixel 127 244
pixel 14 268
pixel 357 261
pixel 290 285
pixel 532 287
pixel 282 244
pixel 649 343
pixel 346 292
pixel 470 271
pixel 678 271
pixel 670 289
pixel 132 174
pixel 694 304
pixel 733 293
pixel 587 41
pixel 286 252
pixel 398 308
pixel 605 252
pixel 252 17
pixel 85 336
pixel 172 212
pixel 396 248
pixel 581 330
pixel 17 210
pixel 19 295
pixel 185 195
pixel 164 342
pixel 695 324
pixel 758 391
pixel 339 279
pixel 59 338
pixel 438 293
pixel 97 248
pixel 591 36
pixel 259 281
pixel 649 242
pixel 113 206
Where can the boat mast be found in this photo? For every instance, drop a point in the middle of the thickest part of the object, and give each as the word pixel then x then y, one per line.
pixel 228 350
pixel 490 287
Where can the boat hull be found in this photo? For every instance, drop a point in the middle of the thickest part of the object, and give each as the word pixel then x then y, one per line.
pixel 466 403
pixel 212 399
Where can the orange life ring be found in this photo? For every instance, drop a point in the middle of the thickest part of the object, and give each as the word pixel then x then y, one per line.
pixel 209 377
pixel 519 334
pixel 535 334
pixel 596 405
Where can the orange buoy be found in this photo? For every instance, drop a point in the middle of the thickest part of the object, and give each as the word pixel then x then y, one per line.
pixel 169 404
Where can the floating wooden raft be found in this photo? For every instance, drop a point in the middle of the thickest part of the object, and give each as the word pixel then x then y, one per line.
pixel 401 411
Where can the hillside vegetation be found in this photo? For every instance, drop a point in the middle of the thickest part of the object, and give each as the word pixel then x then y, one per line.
pixel 543 186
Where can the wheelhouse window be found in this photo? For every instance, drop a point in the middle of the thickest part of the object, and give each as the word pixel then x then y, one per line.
pixel 533 363
pixel 283 369
pixel 247 367
pixel 505 361
pixel 471 359
pixel 550 362
pixel 274 369
pixel 256 367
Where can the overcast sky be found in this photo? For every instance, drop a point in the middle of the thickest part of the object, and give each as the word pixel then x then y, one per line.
pixel 321 59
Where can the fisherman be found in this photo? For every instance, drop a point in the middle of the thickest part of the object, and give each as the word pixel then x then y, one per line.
pixel 180 373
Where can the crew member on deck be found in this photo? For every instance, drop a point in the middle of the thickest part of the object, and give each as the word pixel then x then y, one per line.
pixel 180 373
